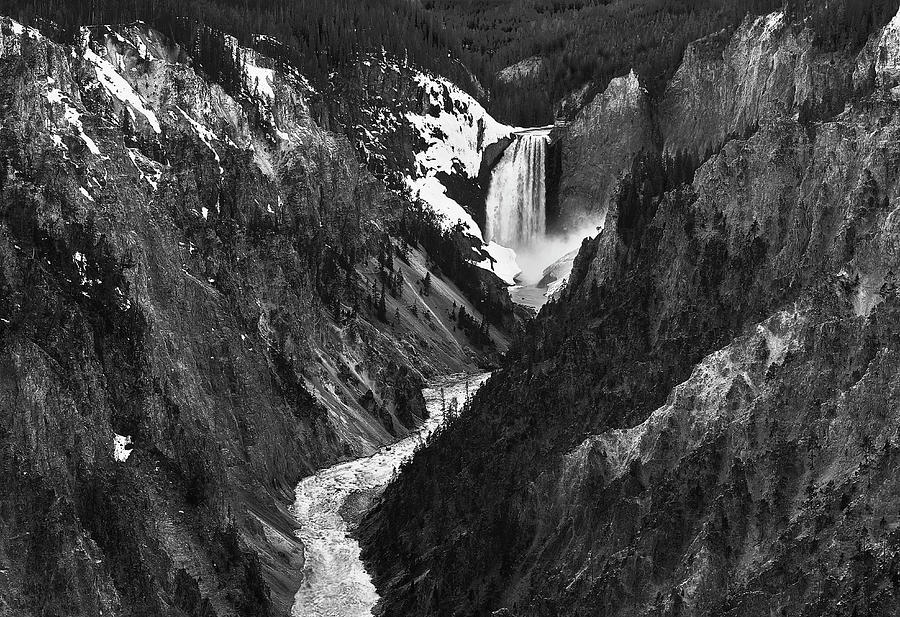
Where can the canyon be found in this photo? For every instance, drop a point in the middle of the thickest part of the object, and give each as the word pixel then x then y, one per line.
pixel 335 579
pixel 703 423
pixel 204 297
pixel 278 346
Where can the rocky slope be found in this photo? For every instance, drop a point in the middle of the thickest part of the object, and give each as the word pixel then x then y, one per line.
pixel 706 423
pixel 597 148
pixel 201 300
pixel 726 85
pixel 530 72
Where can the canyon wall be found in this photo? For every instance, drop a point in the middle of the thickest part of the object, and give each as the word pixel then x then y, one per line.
pixel 704 424
pixel 193 315
pixel 726 86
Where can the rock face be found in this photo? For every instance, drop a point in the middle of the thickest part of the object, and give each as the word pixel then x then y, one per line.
pixel 529 70
pixel 726 86
pixel 598 147
pixel 706 424
pixel 187 325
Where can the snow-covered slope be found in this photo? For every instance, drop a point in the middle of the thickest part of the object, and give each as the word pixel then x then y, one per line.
pixel 455 130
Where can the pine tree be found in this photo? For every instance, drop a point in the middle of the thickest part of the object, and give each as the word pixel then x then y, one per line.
pixel 382 306
pixel 127 129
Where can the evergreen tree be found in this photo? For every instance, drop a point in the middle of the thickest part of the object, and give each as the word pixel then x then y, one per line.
pixel 127 128
pixel 382 306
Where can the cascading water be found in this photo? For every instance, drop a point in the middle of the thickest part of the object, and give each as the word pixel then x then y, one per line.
pixel 515 217
pixel 515 208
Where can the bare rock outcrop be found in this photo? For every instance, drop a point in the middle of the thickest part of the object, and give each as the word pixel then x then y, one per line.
pixel 598 147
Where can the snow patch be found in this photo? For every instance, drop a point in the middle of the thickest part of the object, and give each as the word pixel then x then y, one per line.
pixel 91 144
pixel 72 116
pixel 430 190
pixel 454 138
pixel 81 264
pixel 116 85
pixel 55 95
pixel 124 301
pixel 206 136
pixel 121 447
pixel 13 45
pixel 260 80
pixel 502 263
pixel 17 28
pixel 138 159
pixel 434 193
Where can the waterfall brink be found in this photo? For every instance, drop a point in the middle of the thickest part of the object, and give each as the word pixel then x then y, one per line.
pixel 516 213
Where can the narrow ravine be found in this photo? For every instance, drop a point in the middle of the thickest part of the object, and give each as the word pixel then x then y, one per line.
pixel 335 582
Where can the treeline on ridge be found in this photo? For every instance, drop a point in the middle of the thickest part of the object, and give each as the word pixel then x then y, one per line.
pixel 589 42
pixel 579 43
pixel 315 36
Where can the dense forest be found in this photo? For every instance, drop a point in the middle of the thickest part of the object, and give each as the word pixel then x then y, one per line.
pixel 588 42
pixel 317 37
pixel 577 43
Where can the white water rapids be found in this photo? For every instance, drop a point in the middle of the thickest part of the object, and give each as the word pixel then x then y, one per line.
pixel 335 582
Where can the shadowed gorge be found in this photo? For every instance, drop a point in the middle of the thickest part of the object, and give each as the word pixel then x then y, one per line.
pixel 204 296
pixel 501 308
pixel 686 430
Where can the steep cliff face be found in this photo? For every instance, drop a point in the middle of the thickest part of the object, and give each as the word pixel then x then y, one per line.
pixel 192 315
pixel 598 147
pixel 727 85
pixel 725 497
pixel 763 484
pixel 705 424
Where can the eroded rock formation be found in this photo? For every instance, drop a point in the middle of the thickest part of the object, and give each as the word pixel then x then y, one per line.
pixel 706 423
pixel 192 308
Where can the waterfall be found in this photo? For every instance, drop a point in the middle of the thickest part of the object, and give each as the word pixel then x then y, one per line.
pixel 515 208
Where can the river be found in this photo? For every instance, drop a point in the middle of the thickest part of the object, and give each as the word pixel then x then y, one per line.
pixel 335 582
